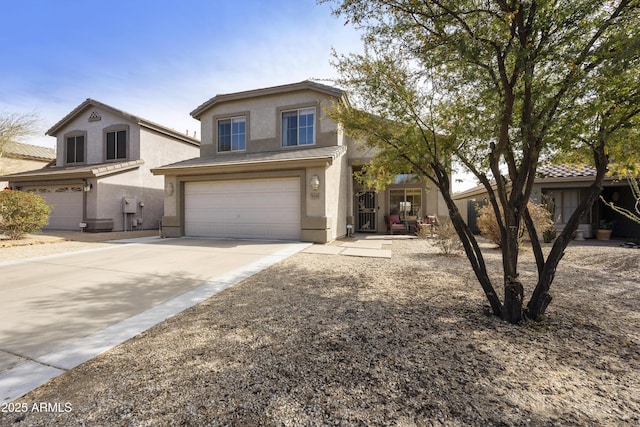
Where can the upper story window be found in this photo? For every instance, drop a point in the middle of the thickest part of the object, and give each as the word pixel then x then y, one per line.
pixel 74 146
pixel 298 127
pixel 116 144
pixel 232 134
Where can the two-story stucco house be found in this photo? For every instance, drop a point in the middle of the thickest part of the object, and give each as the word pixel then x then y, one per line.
pixel 101 180
pixel 273 166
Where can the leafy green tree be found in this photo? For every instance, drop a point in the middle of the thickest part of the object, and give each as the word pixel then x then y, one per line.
pixel 499 86
pixel 21 213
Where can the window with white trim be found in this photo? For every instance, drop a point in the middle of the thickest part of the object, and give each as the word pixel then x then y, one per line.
pixel 298 127
pixel 232 134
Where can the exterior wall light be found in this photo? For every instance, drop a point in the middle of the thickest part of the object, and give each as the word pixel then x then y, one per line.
pixel 315 183
pixel 168 189
pixel 87 187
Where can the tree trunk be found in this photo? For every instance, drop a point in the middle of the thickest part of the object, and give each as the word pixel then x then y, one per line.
pixel 471 248
pixel 540 298
pixel 513 297
pixel 513 290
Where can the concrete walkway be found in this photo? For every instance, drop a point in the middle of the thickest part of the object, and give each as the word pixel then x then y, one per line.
pixel 59 311
pixel 360 245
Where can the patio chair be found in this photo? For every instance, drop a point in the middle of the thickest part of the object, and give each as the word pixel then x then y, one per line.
pixel 393 223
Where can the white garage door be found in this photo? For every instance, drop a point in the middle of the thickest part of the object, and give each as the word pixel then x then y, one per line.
pixel 66 202
pixel 243 209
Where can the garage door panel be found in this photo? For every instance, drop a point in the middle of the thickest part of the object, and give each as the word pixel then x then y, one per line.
pixel 251 209
pixel 65 203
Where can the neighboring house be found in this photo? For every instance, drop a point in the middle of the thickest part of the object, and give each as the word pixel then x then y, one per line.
pixel 100 179
pixel 17 157
pixel 273 166
pixel 567 186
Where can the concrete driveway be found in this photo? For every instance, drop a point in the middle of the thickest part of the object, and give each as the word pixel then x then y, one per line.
pixel 59 311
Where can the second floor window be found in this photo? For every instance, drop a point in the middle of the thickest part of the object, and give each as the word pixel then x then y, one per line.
pixel 298 127
pixel 232 134
pixel 75 149
pixel 117 145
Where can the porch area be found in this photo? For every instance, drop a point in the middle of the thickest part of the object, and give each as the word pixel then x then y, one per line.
pixel 405 207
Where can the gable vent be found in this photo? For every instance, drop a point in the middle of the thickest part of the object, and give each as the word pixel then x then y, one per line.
pixel 94 117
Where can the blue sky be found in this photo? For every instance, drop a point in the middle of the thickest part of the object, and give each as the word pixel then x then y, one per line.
pixel 158 59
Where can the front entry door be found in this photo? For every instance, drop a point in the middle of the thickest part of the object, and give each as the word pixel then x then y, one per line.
pixel 367 219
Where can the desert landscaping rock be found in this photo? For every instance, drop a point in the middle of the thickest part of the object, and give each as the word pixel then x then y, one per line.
pixel 333 340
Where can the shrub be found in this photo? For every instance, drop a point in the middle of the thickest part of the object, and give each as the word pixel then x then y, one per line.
pixel 446 238
pixel 424 232
pixel 540 214
pixel 22 213
pixel 549 235
pixel 488 225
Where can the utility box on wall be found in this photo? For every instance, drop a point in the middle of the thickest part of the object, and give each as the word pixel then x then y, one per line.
pixel 129 205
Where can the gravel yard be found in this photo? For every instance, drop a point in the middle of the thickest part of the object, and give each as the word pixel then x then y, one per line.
pixel 337 340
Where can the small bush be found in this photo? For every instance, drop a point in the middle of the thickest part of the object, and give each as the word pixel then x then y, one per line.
pixel 424 232
pixel 549 235
pixel 542 219
pixel 22 213
pixel 488 225
pixel 446 238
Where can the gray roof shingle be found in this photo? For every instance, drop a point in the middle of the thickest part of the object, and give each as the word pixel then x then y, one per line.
pixel 28 151
pixel 332 152
pixel 565 171
pixel 53 173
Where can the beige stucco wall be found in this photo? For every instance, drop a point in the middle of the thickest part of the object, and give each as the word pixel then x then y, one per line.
pixel 341 195
pixel 358 150
pixel 10 165
pixel 442 209
pixel 316 200
pixel 435 203
pixel 325 209
pixel 171 193
pixel 263 115
pixel 323 212
pixel 95 144
pixel 105 200
pixel 155 149
pixel 111 191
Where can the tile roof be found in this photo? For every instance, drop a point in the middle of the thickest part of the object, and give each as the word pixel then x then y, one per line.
pixel 332 152
pixel 565 171
pixel 307 84
pixel 28 151
pixel 127 116
pixel 546 173
pixel 52 173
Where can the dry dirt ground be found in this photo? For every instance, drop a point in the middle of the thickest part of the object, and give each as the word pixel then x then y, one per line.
pixel 336 340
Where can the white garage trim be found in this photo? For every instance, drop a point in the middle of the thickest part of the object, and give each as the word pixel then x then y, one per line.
pixel 66 205
pixel 243 209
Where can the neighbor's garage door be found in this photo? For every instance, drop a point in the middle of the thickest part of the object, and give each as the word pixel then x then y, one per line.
pixel 66 202
pixel 243 209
